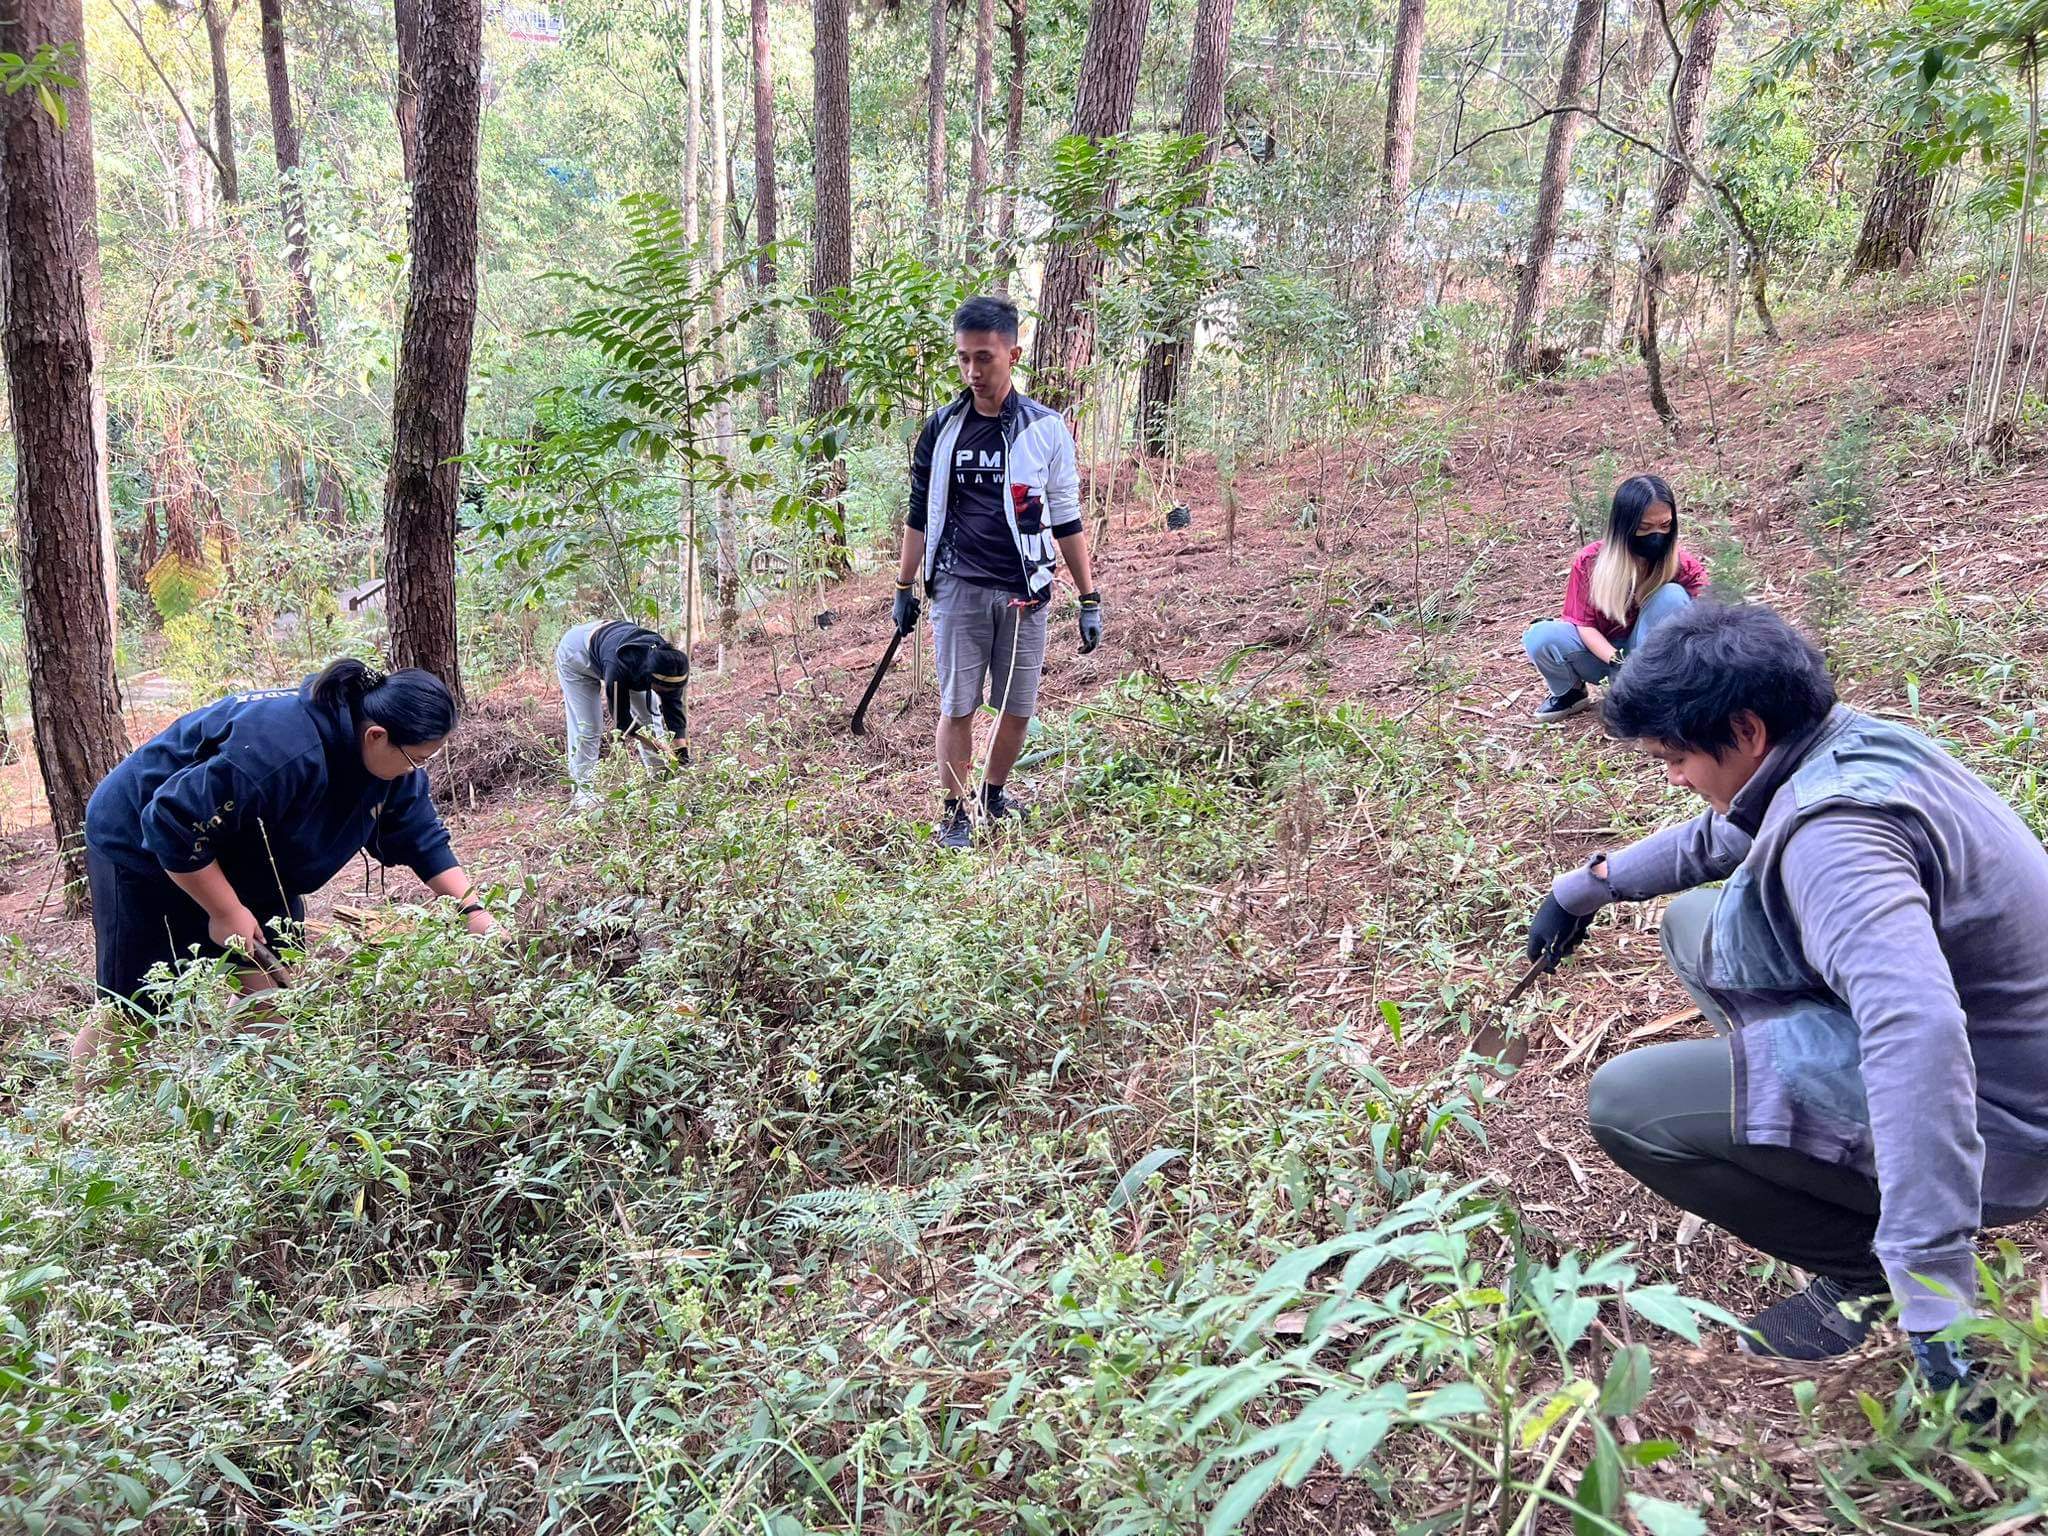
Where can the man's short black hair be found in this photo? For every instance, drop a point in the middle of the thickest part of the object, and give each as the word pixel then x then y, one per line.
pixel 987 313
pixel 1705 666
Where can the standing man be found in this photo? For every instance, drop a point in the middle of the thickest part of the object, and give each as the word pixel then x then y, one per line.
pixel 993 491
pixel 1875 967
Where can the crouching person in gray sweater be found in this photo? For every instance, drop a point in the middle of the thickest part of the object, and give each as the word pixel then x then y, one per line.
pixel 1875 965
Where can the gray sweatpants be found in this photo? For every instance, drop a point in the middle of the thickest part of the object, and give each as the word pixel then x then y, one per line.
pixel 583 702
pixel 1666 1115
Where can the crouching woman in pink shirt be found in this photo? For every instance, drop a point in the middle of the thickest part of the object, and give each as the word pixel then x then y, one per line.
pixel 1620 589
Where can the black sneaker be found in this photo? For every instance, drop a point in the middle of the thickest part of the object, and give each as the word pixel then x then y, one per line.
pixel 995 805
pixel 1560 706
pixel 956 826
pixel 1826 1319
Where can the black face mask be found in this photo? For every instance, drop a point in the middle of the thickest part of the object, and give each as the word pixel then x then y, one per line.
pixel 1652 547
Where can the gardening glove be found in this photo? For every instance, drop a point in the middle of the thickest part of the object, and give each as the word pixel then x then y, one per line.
pixel 906 609
pixel 1555 933
pixel 1091 621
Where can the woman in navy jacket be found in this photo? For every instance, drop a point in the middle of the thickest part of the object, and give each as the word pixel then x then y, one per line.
pixel 222 824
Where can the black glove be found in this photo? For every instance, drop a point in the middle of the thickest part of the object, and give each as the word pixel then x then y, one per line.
pixel 906 610
pixel 1555 933
pixel 1091 621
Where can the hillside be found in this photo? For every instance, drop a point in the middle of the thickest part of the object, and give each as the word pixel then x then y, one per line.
pixel 786 1174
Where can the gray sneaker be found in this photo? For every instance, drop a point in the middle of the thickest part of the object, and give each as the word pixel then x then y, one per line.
pixel 956 825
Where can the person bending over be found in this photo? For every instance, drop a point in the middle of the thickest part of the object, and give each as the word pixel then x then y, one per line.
pixel 213 832
pixel 1875 968
pixel 619 671
pixel 993 494
pixel 1620 589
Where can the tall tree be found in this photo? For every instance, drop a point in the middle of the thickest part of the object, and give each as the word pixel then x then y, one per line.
pixel 227 166
pixel 726 517
pixel 693 191
pixel 1895 222
pixel 1685 128
pixel 83 203
pixel 405 93
pixel 1397 169
pixel 935 131
pixel 1649 47
pixel 764 186
pixel 429 396
pixel 1166 359
pixel 832 208
pixel 1013 146
pixel 68 631
pixel 1532 294
pixel 977 143
pixel 298 245
pixel 1065 343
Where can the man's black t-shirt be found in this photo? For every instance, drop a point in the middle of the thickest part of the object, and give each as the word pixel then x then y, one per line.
pixel 976 545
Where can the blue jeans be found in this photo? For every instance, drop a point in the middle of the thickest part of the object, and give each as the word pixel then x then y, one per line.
pixel 1561 656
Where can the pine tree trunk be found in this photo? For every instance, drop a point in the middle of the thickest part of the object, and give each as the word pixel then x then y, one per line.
pixel 405 92
pixel 298 253
pixel 1895 223
pixel 1685 129
pixel 935 132
pixel 727 515
pixel 1064 345
pixel 764 189
pixel 84 202
pixel 1397 169
pixel 227 161
pixel 832 215
pixel 1166 360
pixel 1599 330
pixel 977 146
pixel 1013 148
pixel 67 627
pixel 693 228
pixel 423 497
pixel 193 212
pixel 1532 295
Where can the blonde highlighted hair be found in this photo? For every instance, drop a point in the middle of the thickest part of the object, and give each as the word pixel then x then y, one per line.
pixel 1621 578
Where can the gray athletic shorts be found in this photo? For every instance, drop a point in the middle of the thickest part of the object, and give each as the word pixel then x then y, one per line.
pixel 985 649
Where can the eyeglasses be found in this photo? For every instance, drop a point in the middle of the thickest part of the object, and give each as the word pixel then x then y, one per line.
pixel 417 764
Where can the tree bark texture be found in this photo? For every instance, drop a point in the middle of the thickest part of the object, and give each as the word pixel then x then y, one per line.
pixel 764 189
pixel 83 204
pixel 1166 360
pixel 1650 47
pixel 1532 294
pixel 832 211
pixel 423 496
pixel 977 144
pixel 1065 342
pixel 194 213
pixel 1895 224
pixel 935 130
pixel 1397 169
pixel 693 228
pixel 226 165
pixel 1687 123
pixel 405 94
pixel 1013 147
pixel 298 252
pixel 726 520
pixel 67 627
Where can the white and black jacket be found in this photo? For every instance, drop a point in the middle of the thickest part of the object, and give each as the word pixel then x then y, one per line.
pixel 1041 487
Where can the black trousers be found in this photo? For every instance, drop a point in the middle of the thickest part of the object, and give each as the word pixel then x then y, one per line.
pixel 139 919
pixel 1666 1115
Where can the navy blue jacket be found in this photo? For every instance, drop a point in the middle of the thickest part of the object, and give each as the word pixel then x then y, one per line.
pixel 270 784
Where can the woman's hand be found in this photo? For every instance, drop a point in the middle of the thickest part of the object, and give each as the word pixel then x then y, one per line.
pixel 235 928
pixel 481 922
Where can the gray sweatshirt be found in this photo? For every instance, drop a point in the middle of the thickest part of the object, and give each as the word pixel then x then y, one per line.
pixel 1882 949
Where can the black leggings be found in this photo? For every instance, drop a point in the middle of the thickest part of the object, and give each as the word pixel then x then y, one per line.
pixel 139 919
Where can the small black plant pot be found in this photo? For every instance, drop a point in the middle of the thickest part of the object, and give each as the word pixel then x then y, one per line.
pixel 827 619
pixel 1179 518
